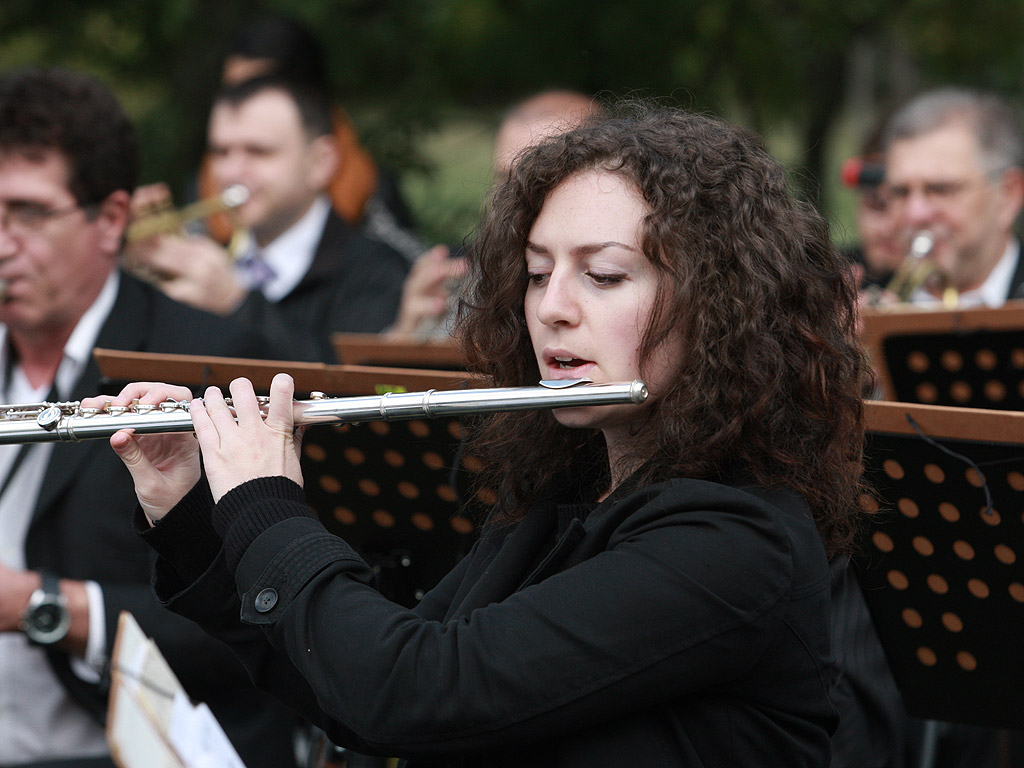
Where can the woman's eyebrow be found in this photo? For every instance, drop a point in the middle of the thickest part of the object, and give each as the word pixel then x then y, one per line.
pixel 586 249
pixel 590 248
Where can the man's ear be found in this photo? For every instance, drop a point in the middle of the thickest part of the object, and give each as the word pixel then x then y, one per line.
pixel 113 216
pixel 324 160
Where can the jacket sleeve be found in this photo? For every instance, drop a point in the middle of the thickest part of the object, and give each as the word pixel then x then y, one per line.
pixel 683 596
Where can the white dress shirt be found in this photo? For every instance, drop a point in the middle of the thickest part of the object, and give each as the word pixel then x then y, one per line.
pixel 991 293
pixel 291 254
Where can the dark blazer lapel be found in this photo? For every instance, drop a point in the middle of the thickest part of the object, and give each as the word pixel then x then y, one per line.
pixel 1017 283
pixel 125 328
pixel 499 576
pixel 329 257
pixel 561 553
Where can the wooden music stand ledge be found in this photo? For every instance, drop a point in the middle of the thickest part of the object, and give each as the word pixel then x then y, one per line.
pixel 371 349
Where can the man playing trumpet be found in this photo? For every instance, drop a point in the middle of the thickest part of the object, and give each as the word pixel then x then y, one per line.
pixel 307 273
pixel 953 169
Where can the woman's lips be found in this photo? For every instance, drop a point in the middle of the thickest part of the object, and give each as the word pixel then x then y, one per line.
pixel 567 366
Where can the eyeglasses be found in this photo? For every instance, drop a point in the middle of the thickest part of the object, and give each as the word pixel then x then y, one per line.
pixel 874 200
pixel 23 218
pixel 940 194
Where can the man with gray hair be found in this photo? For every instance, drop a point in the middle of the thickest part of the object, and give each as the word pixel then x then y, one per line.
pixel 953 169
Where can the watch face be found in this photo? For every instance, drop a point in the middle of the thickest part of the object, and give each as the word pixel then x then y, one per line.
pixel 47 617
pixel 48 622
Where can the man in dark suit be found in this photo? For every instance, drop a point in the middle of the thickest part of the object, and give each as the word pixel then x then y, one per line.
pixel 303 272
pixel 68 163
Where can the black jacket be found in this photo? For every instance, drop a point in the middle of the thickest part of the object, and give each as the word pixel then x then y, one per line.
pixel 684 624
pixel 1017 281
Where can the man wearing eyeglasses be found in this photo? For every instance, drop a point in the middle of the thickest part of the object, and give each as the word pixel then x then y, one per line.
pixel 953 169
pixel 68 563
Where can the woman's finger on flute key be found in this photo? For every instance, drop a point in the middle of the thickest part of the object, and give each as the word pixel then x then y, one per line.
pixel 237 452
pixel 164 467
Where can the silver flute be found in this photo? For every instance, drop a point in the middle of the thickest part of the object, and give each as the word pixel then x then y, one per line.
pixel 69 422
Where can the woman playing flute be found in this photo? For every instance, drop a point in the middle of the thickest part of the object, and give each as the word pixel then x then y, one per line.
pixel 652 586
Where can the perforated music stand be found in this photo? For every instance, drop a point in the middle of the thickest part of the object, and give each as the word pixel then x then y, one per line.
pixel 371 349
pixel 972 358
pixel 941 576
pixel 388 488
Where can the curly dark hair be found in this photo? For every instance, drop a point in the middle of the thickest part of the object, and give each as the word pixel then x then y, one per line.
pixel 770 383
pixel 56 109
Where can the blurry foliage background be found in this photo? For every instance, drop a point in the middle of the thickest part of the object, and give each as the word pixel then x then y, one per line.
pixel 426 80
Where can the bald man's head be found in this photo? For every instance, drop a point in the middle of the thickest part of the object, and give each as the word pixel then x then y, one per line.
pixel 537 118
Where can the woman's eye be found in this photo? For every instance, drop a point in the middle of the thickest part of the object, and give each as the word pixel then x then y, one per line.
pixel 605 279
pixel 536 278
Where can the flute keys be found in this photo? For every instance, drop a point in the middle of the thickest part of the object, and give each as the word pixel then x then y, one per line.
pixel 142 408
pixel 136 408
pixel 49 417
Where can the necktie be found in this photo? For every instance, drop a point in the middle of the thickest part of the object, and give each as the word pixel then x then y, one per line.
pixel 254 271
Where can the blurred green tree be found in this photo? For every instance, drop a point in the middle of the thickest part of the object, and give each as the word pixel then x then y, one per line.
pixel 785 68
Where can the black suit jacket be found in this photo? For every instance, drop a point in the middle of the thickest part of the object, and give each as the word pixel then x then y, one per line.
pixel 354 285
pixel 1017 282
pixel 81 529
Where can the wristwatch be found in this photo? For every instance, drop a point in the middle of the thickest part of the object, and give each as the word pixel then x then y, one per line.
pixel 46 619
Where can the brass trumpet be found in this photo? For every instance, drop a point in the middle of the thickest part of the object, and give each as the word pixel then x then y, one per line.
pixel 163 221
pixel 917 270
pixel 167 221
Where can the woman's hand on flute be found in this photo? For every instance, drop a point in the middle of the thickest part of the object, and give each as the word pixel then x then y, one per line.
pixel 164 467
pixel 236 452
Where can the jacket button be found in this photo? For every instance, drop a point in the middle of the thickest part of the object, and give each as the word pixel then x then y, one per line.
pixel 266 600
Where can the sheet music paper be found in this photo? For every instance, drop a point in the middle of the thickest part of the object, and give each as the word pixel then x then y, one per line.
pixel 151 723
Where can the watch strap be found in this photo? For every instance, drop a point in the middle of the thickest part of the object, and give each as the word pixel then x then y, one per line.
pixel 50 584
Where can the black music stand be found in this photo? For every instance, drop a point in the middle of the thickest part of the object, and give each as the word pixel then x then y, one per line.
pixel 972 358
pixel 390 489
pixel 941 571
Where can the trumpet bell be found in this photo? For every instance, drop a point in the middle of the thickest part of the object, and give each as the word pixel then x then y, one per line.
pixel 918 271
